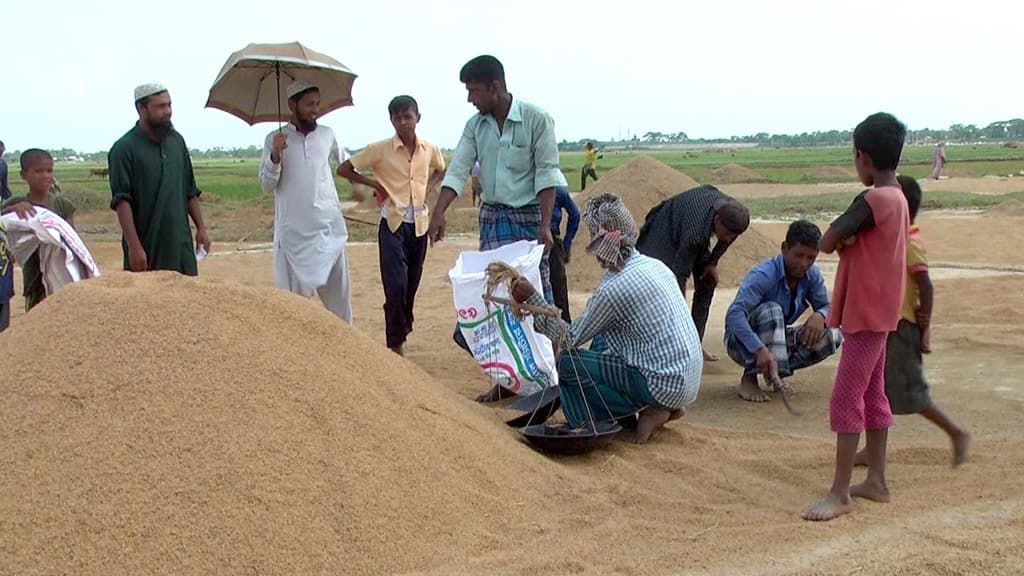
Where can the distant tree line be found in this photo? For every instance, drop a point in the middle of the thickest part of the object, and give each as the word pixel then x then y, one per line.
pixel 957 133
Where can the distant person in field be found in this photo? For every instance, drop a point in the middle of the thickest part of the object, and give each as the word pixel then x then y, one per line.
pixel 760 327
pixel 590 156
pixel 905 384
pixel 37 171
pixel 514 141
pixel 310 234
pixel 938 160
pixel 404 167
pixel 5 190
pixel 871 236
pixel 474 174
pixel 679 231
pixel 644 357
pixel 561 250
pixel 153 190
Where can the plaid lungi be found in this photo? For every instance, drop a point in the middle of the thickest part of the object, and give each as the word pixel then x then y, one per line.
pixel 603 382
pixel 501 225
pixel 769 323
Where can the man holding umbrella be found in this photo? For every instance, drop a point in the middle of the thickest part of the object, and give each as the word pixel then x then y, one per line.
pixel 309 230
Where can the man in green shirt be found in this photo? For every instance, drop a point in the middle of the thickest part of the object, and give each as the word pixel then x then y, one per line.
pixel 154 190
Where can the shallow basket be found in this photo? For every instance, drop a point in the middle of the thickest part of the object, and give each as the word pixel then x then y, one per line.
pixel 560 439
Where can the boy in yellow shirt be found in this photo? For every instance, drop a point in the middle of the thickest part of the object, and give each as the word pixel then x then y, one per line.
pixel 404 167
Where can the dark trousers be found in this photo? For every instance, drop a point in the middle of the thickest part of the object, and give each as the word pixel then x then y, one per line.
pixel 5 315
pixel 559 283
pixel 587 171
pixel 401 267
pixel 703 294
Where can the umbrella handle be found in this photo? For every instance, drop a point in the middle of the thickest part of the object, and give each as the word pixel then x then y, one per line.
pixel 277 73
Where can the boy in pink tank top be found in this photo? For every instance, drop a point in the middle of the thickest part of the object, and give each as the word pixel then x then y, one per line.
pixel 866 305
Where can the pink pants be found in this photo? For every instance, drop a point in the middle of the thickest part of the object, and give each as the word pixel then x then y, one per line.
pixel 858 400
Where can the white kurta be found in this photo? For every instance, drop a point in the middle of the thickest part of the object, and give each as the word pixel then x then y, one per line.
pixel 309 230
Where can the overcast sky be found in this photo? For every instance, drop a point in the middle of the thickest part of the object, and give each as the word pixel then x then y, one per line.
pixel 603 69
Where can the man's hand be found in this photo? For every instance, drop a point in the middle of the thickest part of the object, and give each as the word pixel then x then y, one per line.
pixel 279 143
pixel 203 239
pixel 137 258
pixel 522 290
pixel 710 273
pixel 813 330
pixel 436 229
pixel 24 210
pixel 566 254
pixel 544 237
pixel 766 363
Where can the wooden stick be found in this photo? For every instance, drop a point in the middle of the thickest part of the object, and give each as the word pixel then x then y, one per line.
pixel 358 221
pixel 522 307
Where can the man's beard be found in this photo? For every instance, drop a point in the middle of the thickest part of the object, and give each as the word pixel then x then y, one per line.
pixel 305 124
pixel 161 130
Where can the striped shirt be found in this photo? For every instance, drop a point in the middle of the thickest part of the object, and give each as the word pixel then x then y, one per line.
pixel 644 319
pixel 678 232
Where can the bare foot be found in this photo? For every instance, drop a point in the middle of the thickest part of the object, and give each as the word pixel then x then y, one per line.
pixel 400 350
pixel 749 390
pixel 870 491
pixel 709 357
pixel 861 459
pixel 494 395
pixel 829 507
pixel 960 445
pixel 676 414
pixel 650 419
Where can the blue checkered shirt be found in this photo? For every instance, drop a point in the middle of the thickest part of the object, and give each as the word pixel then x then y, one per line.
pixel 641 314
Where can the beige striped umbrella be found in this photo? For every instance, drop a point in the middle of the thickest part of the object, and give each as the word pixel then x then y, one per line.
pixel 249 84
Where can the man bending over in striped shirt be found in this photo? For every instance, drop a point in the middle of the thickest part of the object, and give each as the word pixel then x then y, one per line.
pixel 645 356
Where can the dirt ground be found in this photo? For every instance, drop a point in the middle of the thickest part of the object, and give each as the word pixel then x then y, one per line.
pixel 721 491
pixel 1000 185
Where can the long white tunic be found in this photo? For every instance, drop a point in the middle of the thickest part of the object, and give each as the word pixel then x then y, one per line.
pixel 309 230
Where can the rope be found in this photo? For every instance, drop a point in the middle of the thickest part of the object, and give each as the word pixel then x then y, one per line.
pixel 500 274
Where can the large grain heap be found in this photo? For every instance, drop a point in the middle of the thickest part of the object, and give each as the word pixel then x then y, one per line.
pixel 156 424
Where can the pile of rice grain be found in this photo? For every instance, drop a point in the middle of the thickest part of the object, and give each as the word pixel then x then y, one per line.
pixel 161 424
pixel 735 174
pixel 643 183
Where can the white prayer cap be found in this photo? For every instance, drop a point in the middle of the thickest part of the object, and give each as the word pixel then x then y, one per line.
pixel 148 89
pixel 300 86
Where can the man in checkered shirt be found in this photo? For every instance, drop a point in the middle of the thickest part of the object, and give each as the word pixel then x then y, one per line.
pixel 645 355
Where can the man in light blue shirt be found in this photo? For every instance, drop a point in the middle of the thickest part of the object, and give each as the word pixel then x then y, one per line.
pixel 759 331
pixel 514 141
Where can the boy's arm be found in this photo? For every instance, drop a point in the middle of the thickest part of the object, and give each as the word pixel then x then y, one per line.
pixel 572 226
pixel 348 171
pixel 857 218
pixel 926 298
